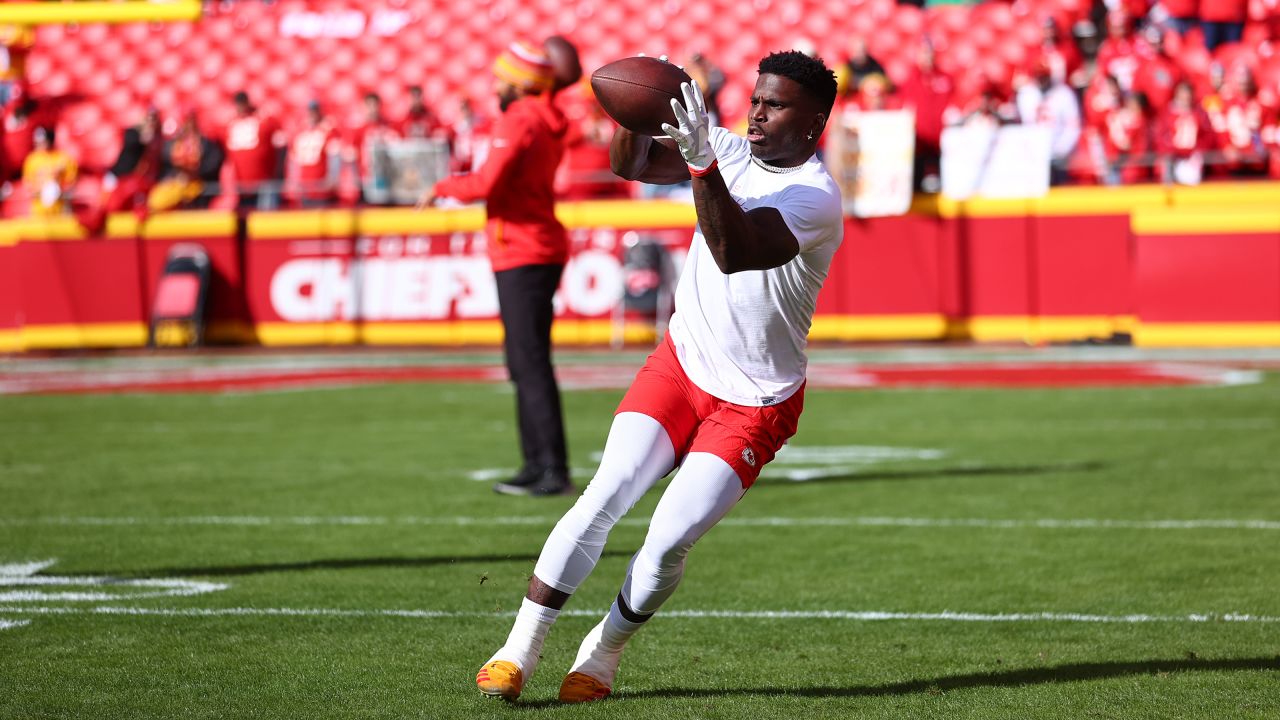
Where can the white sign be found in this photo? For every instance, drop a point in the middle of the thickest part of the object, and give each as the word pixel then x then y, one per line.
pixel 871 156
pixel 1006 162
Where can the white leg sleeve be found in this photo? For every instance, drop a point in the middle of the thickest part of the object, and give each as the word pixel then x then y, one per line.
pixel 637 454
pixel 703 492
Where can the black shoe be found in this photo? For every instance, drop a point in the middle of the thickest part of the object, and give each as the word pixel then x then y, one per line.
pixel 543 484
pixel 526 477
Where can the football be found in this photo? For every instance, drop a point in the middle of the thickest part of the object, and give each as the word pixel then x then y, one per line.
pixel 564 61
pixel 637 92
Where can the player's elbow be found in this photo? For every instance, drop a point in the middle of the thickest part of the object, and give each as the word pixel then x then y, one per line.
pixel 627 168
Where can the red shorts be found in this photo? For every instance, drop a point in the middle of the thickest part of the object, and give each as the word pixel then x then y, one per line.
pixel 744 436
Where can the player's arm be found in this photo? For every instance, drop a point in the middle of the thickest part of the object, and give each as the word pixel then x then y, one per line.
pixel 738 239
pixel 756 239
pixel 509 137
pixel 635 156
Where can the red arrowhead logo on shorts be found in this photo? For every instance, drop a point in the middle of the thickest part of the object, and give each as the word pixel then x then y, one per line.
pixel 748 457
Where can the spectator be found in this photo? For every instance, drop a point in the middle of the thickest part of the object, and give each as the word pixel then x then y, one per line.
pixel 367 150
pixel 872 94
pixel 1158 73
pixel 988 110
pixel 19 137
pixel 1062 56
pixel 190 163
pixel 1119 53
pixel 129 181
pixel 1244 119
pixel 711 81
pixel 48 174
pixel 1222 21
pixel 585 171
pixel 470 138
pixel 1182 136
pixel 1047 103
pixel 928 92
pixel 253 146
pixel 419 122
pixel 1101 98
pixel 860 63
pixel 314 158
pixel 1127 141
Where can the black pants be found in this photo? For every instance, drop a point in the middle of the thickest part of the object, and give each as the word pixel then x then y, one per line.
pixel 524 299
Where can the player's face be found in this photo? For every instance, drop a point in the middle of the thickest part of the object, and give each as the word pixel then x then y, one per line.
pixel 782 117
pixel 506 92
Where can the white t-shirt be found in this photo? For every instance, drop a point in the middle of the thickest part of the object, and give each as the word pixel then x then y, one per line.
pixel 742 337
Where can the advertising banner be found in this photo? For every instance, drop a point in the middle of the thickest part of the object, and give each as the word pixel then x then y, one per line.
pixel 422 288
pixel 984 162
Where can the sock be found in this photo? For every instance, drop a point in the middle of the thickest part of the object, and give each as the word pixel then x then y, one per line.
pixel 601 649
pixel 524 644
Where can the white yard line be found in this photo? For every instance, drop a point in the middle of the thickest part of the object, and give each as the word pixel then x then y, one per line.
pixel 862 521
pixel 853 615
pixel 11 624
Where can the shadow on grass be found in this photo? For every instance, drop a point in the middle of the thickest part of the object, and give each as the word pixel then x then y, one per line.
pixel 935 686
pixel 944 472
pixel 337 564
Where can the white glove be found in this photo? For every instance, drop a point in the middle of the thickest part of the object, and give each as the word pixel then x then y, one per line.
pixel 693 137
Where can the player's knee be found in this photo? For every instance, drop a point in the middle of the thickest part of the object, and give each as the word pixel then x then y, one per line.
pixel 665 552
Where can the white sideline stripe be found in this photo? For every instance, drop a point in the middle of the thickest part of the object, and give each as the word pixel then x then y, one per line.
pixel 11 624
pixel 23 569
pixel 854 615
pixel 1036 523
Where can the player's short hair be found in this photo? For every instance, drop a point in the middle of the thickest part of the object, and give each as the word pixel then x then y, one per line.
pixel 810 72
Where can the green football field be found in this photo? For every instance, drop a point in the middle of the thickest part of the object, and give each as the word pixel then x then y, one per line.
pixel 914 553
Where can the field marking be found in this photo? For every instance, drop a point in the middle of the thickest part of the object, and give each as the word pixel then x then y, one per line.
pixel 102 588
pixel 853 615
pixel 546 520
pixel 12 624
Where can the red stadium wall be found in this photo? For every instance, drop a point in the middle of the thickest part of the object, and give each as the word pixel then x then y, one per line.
pixel 1176 267
pixel 217 232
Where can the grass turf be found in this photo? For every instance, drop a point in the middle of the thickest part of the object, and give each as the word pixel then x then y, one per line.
pixel 397 458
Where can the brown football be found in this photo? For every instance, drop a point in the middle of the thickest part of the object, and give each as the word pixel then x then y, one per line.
pixel 564 61
pixel 637 92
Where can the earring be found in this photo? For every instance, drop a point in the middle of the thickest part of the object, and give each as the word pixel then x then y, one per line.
pixel 809 136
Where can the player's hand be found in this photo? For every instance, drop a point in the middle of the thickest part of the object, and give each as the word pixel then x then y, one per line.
pixel 426 199
pixel 693 136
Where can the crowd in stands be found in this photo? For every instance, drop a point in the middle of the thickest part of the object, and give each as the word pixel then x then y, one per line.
pixel 1168 91
pixel 1168 94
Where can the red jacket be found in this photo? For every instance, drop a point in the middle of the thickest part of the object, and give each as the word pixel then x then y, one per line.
pixel 251 148
pixel 517 184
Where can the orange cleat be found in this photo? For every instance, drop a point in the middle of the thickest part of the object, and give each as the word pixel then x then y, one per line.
pixel 500 679
pixel 580 687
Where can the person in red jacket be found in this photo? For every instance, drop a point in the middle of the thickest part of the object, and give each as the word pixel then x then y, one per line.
pixel 253 147
pixel 1158 73
pixel 1183 135
pixel 1120 53
pixel 314 159
pixel 1127 141
pixel 928 92
pixel 1242 126
pixel 528 248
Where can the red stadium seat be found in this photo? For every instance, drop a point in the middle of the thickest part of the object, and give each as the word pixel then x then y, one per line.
pixel 909 20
